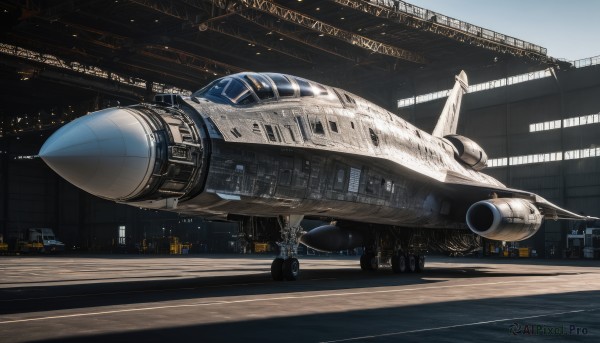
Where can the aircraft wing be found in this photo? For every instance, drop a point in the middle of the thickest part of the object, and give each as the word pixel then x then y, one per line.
pixel 475 191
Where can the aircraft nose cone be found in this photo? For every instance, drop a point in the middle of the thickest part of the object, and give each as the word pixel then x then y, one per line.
pixel 109 153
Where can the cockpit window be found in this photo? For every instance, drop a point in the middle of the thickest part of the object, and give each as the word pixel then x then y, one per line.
pixel 228 88
pixel 217 88
pixel 283 84
pixel 319 90
pixel 261 86
pixel 305 87
pixel 238 93
pixel 248 88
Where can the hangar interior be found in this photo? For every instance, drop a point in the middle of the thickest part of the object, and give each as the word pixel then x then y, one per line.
pixel 61 60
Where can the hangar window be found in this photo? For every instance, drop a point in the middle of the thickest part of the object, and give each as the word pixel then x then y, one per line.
pixel 305 88
pixel 285 88
pixel 261 86
pixel 122 234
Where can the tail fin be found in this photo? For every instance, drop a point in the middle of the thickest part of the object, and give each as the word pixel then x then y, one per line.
pixel 448 121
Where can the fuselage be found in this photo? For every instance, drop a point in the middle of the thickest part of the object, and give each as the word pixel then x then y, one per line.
pixel 319 152
pixel 273 144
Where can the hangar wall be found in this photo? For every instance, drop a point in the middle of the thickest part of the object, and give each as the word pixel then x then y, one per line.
pixel 33 196
pixel 499 120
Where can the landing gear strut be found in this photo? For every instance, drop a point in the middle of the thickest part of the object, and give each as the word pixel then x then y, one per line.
pixel 286 266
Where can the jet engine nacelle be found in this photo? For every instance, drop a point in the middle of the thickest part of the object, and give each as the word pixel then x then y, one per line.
pixel 504 219
pixel 468 151
pixel 331 238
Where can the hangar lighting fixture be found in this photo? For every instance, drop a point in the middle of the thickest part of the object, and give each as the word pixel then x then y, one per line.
pixel 321 35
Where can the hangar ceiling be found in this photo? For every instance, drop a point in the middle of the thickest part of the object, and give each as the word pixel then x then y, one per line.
pixel 58 51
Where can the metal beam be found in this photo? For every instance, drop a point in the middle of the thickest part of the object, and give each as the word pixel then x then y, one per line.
pixel 298 18
pixel 270 26
pixel 238 34
pixel 170 9
pixel 191 60
pixel 426 20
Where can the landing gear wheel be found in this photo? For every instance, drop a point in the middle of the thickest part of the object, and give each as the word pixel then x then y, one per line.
pixel 291 269
pixel 369 261
pixel 374 262
pixel 364 262
pixel 420 267
pixel 399 263
pixel 412 263
pixel 277 269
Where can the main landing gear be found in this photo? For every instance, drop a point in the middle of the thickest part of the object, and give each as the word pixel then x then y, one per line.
pixel 286 266
pixel 404 254
pixel 407 263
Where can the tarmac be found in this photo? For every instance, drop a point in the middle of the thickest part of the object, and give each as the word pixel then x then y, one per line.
pixel 212 298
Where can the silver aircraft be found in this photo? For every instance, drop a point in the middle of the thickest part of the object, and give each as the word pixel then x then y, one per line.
pixel 276 145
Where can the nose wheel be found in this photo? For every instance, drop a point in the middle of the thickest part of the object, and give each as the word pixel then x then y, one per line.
pixel 288 269
pixel 286 266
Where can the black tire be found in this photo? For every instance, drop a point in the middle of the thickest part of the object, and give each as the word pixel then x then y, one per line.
pixel 368 261
pixel 374 262
pixel 277 269
pixel 411 263
pixel 399 263
pixel 291 269
pixel 364 264
pixel 420 263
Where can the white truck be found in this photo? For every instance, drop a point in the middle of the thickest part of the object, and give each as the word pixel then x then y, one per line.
pixel 41 240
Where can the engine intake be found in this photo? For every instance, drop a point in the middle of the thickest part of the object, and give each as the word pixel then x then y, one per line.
pixel 504 219
pixel 468 151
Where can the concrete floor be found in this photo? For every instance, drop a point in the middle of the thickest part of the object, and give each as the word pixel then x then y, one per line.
pixel 231 299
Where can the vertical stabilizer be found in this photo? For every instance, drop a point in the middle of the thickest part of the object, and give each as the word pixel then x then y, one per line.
pixel 448 121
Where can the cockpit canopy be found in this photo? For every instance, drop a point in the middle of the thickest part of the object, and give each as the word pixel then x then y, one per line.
pixel 249 88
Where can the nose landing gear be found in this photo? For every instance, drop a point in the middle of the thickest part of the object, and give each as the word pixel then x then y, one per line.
pixel 286 266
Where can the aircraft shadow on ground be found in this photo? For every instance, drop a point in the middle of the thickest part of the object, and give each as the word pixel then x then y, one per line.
pixel 489 320
pixel 62 297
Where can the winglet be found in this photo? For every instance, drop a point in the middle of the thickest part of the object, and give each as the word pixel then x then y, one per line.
pixel 448 120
